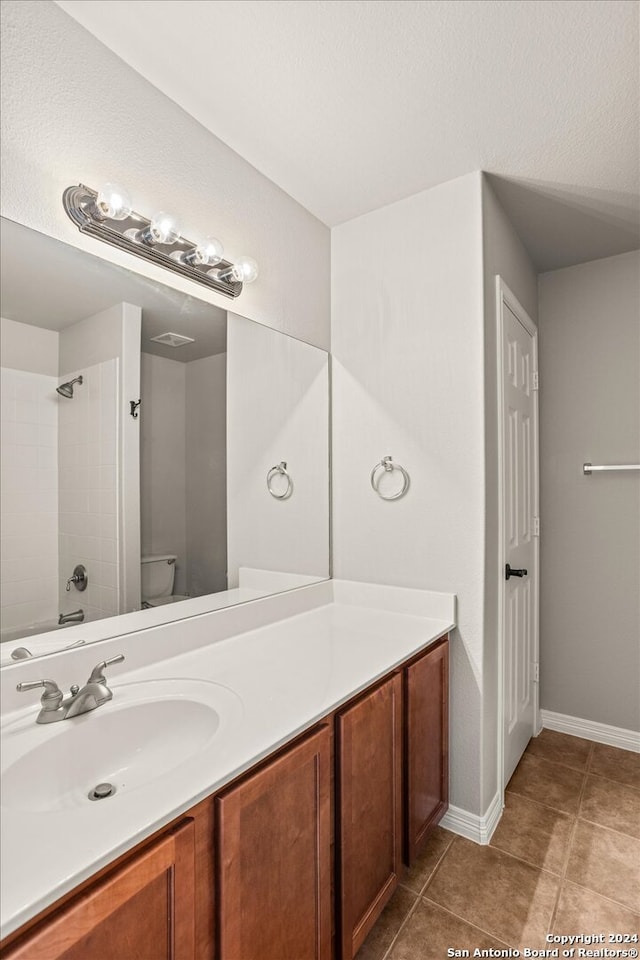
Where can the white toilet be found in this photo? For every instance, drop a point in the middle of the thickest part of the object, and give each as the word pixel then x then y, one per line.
pixel 157 574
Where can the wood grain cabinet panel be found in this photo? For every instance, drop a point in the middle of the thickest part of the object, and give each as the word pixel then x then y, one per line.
pixel 426 731
pixel 142 910
pixel 369 809
pixel 274 858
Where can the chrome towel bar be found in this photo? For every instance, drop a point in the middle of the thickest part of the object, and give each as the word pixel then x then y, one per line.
pixel 589 468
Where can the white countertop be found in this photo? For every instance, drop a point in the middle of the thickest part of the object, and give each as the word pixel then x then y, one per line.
pixel 285 675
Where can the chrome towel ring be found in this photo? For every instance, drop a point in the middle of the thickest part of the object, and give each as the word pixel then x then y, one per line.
pixel 388 466
pixel 280 469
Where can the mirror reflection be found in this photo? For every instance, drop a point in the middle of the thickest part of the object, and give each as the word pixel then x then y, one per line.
pixel 155 449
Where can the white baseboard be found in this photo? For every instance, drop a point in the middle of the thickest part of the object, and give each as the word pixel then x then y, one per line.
pixel 590 730
pixel 470 825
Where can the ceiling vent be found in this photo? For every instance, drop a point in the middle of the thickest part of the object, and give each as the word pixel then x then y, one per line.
pixel 172 339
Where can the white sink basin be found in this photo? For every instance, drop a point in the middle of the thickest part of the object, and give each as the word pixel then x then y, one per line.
pixel 146 732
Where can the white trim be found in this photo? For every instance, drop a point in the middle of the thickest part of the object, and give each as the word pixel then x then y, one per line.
pixel 505 296
pixel 591 730
pixel 470 825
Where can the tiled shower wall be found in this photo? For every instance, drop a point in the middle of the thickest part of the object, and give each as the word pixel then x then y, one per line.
pixel 88 491
pixel 29 500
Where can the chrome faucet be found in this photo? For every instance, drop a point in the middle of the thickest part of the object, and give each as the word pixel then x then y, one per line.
pixel 54 706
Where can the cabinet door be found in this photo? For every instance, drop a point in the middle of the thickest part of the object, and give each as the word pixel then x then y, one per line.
pixel 369 813
pixel 427 746
pixel 274 858
pixel 143 910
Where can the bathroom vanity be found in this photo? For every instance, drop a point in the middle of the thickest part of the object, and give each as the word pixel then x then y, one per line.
pixel 284 834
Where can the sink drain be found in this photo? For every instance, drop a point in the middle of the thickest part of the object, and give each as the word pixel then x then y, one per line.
pixel 102 791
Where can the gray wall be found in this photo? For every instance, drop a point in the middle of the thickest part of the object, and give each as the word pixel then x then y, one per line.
pixel 183 468
pixel 590 526
pixel 206 445
pixel 503 255
pixel 163 491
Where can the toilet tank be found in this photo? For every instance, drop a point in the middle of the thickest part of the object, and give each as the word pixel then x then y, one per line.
pixel 157 574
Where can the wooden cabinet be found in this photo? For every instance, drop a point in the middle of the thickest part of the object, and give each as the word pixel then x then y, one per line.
pixel 142 909
pixel 273 862
pixel 426 739
pixel 369 809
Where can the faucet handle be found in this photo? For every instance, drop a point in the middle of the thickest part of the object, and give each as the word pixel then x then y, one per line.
pixel 51 687
pixel 52 696
pixel 97 674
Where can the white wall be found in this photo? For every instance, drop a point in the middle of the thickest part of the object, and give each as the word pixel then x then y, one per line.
pixel 74 112
pixel 90 341
pixel 206 480
pixel 163 485
pixel 88 469
pixel 407 338
pixel 29 483
pixel 590 526
pixel 277 409
pixel 26 347
pixel 111 335
pixel 503 255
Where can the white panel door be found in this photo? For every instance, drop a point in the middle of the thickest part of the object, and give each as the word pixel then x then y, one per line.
pixel 520 470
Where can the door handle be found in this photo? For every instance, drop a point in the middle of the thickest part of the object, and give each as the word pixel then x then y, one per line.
pixel 510 572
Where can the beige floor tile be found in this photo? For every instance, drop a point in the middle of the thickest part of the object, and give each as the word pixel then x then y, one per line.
pixel 612 805
pixel 387 926
pixel 606 862
pixel 431 931
pixel 420 872
pixel 511 900
pixel 560 748
pixel 534 833
pixel 614 764
pixel 581 911
pixel 550 783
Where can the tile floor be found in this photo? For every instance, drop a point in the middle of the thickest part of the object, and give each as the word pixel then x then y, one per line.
pixel 564 859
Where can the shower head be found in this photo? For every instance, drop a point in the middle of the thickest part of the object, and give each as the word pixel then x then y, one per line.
pixel 66 389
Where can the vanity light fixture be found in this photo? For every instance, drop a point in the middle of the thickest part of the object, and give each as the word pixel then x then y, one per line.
pixel 107 215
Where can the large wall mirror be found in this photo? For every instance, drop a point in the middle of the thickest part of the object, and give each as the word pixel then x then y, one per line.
pixel 213 487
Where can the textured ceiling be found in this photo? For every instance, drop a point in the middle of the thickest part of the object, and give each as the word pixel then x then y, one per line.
pixel 351 104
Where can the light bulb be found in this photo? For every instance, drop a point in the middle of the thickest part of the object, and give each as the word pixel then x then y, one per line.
pixel 164 228
pixel 112 202
pixel 244 270
pixel 207 253
pixel 248 268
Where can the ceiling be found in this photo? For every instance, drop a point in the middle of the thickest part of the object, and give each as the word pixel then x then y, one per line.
pixel 52 285
pixel 349 105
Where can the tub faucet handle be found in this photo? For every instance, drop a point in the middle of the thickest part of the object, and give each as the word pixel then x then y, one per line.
pixel 80 578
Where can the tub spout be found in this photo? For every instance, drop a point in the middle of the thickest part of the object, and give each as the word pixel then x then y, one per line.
pixel 77 616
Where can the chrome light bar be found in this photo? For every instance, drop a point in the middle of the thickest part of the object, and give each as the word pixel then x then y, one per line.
pixel 133 233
